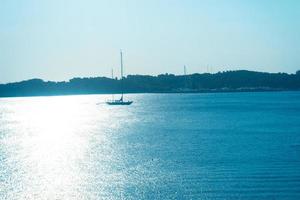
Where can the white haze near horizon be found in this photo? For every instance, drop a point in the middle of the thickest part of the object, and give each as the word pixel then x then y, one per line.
pixel 60 39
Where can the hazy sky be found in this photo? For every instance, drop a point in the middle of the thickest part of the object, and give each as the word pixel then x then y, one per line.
pixel 61 39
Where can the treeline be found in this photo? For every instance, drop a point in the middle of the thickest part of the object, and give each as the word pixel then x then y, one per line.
pixel 232 81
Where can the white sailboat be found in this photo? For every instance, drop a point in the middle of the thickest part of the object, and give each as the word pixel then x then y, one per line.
pixel 121 100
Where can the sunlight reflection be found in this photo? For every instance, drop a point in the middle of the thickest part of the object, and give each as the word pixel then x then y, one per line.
pixel 53 146
pixel 64 148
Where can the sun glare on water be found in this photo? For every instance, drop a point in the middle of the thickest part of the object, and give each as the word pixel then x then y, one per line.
pixel 52 138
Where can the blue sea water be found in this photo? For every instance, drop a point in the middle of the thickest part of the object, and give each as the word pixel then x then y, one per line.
pixel 163 146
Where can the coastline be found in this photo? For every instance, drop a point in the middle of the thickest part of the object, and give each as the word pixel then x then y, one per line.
pixel 229 81
pixel 163 92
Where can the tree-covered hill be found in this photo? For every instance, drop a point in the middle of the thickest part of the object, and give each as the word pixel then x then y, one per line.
pixel 230 81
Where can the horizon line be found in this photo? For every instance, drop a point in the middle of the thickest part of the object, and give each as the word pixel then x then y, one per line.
pixel 166 73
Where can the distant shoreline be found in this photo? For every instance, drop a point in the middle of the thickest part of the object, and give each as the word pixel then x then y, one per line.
pixel 198 92
pixel 222 82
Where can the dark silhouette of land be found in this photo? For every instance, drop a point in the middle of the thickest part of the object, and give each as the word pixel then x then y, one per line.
pixel 230 81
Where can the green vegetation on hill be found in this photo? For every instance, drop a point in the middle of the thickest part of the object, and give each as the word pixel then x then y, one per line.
pixel 230 81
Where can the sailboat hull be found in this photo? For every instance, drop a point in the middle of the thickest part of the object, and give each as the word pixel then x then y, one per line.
pixel 119 103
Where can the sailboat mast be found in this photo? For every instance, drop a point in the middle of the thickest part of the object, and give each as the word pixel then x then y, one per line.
pixel 112 77
pixel 121 53
pixel 120 86
pixel 185 77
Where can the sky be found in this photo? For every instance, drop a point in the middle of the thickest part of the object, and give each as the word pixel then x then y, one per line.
pixel 61 39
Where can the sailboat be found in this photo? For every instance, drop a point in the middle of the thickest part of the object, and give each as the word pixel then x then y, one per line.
pixel 121 100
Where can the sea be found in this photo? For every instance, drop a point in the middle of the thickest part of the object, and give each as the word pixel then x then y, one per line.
pixel 164 146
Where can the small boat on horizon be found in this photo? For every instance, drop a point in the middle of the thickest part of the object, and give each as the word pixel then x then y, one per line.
pixel 121 100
